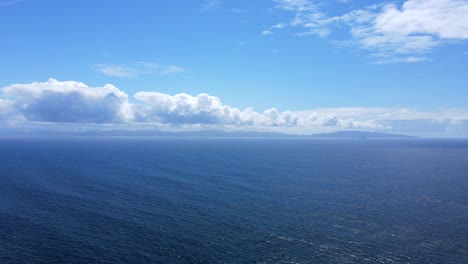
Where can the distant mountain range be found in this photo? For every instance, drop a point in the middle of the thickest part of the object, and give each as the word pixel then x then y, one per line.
pixel 206 133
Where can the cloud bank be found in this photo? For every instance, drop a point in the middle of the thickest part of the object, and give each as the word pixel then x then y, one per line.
pixel 71 102
pixel 392 33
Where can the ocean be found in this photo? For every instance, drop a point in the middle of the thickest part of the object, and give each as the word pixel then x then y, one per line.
pixel 245 200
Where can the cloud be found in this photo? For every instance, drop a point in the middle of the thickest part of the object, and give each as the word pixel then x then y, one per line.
pixel 155 68
pixel 308 17
pixel 296 5
pixel 239 11
pixel 7 110
pixel 183 108
pixel 445 19
pixel 391 60
pixel 267 32
pixel 71 102
pixel 279 25
pixel 399 33
pixel 205 109
pixel 9 2
pixel 417 27
pixel 138 68
pixel 75 102
pixel 115 70
pixel 441 122
pixel 210 5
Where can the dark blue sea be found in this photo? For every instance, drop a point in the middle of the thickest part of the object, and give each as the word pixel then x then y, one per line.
pixel 188 200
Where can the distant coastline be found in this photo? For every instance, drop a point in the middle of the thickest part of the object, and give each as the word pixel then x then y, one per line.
pixel 206 134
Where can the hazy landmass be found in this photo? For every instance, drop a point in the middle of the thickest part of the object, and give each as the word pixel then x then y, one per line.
pixel 360 134
pixel 204 133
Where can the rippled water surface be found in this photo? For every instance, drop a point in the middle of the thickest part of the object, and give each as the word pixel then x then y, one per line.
pixel 91 200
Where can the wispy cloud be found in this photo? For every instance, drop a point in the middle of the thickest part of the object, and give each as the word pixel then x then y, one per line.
pixel 415 28
pixel 402 33
pixel 115 70
pixel 307 17
pixel 391 60
pixel 155 68
pixel 137 68
pixel 279 25
pixel 9 2
pixel 239 11
pixel 210 5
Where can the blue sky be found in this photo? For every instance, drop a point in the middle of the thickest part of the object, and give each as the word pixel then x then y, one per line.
pixel 396 66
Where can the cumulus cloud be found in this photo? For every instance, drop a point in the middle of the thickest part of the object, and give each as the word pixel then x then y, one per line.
pixel 184 108
pixel 392 33
pixel 7 110
pixel 75 102
pixel 206 109
pixel 71 102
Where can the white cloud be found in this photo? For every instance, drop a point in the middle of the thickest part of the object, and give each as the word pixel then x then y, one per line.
pixel 401 33
pixel 308 17
pixel 417 27
pixel 75 102
pixel 7 109
pixel 391 60
pixel 377 114
pixel 205 109
pixel 183 108
pixel 9 2
pixel 210 5
pixel 442 122
pixel 116 70
pixel 267 32
pixel 138 68
pixel 239 11
pixel 296 5
pixel 445 19
pixel 279 25
pixel 54 102
pixel 155 68
pixel 69 101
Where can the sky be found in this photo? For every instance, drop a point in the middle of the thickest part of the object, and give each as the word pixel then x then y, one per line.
pixel 291 66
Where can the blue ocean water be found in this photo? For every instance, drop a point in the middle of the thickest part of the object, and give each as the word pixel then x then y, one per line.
pixel 137 200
